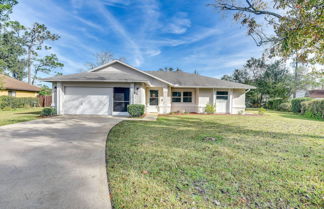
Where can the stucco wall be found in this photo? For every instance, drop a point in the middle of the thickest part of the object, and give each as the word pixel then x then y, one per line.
pixel 3 93
pixel 184 106
pixel 238 101
pixel 20 93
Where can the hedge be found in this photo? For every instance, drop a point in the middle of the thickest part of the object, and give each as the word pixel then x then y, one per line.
pixel 314 108
pixel 17 102
pixel 274 104
pixel 136 110
pixel 285 107
pixel 296 104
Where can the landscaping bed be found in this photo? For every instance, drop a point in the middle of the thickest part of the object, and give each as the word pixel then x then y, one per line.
pixel 208 161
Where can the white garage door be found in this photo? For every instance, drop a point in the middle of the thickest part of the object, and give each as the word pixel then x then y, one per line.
pixel 87 101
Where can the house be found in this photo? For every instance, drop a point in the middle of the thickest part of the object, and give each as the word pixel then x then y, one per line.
pixel 108 89
pixel 13 87
pixel 316 94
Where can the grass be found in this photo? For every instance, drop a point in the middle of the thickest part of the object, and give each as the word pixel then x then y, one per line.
pixel 19 115
pixel 270 161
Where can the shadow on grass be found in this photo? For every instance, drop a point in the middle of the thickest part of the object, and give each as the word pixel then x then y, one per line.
pixel 297 116
pixel 28 113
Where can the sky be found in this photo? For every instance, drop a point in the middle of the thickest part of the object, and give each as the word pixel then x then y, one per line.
pixel 149 34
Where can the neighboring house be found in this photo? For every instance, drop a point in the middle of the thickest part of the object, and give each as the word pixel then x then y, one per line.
pixel 108 89
pixel 13 87
pixel 316 94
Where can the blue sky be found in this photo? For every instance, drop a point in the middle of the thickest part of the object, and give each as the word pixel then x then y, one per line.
pixel 150 34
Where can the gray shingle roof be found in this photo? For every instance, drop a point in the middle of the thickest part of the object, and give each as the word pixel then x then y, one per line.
pixel 98 76
pixel 180 79
pixel 183 79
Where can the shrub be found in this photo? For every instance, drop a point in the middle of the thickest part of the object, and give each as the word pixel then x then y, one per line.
pixel 274 104
pixel 304 106
pixel 49 111
pixel 314 108
pixel 210 109
pixel 136 110
pixel 296 104
pixel 261 111
pixel 285 107
pixel 17 102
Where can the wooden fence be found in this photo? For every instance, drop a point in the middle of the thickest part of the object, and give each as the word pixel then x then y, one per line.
pixel 45 101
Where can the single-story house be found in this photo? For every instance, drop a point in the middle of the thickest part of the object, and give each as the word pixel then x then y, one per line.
pixel 13 87
pixel 316 94
pixel 108 89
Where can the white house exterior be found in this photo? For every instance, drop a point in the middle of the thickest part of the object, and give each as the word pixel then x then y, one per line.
pixel 108 89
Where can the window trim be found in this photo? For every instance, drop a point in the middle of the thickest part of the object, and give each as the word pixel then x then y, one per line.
pixel 183 96
pixel 182 91
pixel 176 97
pixel 222 95
pixel 12 93
pixel 149 99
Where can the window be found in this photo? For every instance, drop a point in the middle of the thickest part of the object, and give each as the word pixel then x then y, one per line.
pixel 12 93
pixel 222 95
pixel 154 97
pixel 179 96
pixel 187 96
pixel 176 96
pixel 121 99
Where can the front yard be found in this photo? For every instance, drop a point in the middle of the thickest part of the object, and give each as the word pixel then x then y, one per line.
pixel 270 161
pixel 19 115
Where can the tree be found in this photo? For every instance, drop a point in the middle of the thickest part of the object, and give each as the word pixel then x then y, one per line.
pixel 45 65
pixel 297 25
pixel 45 91
pixel 102 58
pixel 272 80
pixel 12 50
pixel 6 9
pixel 34 39
pixel 170 69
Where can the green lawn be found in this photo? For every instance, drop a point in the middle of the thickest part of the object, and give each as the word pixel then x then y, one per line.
pixel 19 115
pixel 270 161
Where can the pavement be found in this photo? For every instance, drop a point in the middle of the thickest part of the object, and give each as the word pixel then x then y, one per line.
pixel 55 163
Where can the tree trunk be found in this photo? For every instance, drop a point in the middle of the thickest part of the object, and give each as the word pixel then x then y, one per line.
pixel 295 77
pixel 29 66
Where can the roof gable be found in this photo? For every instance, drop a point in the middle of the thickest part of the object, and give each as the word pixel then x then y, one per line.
pixel 105 67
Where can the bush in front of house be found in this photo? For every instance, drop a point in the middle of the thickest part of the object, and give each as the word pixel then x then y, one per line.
pixel 296 104
pixel 17 102
pixel 136 110
pixel 210 109
pixel 274 104
pixel 286 106
pixel 313 109
pixel 49 111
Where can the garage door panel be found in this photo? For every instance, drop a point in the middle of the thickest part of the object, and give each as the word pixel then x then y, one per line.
pixel 81 100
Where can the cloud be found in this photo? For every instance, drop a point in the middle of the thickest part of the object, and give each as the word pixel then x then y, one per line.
pixel 180 23
pixel 119 29
pixel 153 52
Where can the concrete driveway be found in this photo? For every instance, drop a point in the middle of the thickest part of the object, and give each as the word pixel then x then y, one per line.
pixel 55 163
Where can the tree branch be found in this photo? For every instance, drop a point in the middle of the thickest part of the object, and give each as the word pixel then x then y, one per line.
pixel 249 9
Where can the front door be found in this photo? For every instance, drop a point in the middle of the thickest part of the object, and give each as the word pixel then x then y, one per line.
pixel 153 101
pixel 222 104
pixel 121 99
